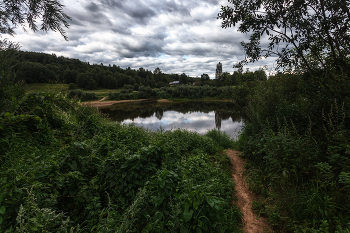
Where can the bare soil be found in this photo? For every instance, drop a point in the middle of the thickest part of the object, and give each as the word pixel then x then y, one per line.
pixel 103 103
pixel 252 224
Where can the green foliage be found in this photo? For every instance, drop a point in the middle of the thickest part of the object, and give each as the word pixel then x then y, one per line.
pixel 35 67
pixel 11 90
pixel 307 37
pixel 196 92
pixel 73 86
pixel 17 13
pixel 296 139
pixel 81 95
pixel 65 168
pixel 220 137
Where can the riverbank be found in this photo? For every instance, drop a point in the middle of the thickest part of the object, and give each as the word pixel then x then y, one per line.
pixel 102 103
pixel 105 103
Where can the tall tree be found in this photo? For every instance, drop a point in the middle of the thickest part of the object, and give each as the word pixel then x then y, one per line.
pixel 183 78
pixel 157 71
pixel 307 35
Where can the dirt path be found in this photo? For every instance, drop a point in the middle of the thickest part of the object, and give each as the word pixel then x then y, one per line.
pixel 245 197
pixel 104 98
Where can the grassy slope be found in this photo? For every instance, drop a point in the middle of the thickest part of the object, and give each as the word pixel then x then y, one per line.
pixel 46 87
pixel 61 161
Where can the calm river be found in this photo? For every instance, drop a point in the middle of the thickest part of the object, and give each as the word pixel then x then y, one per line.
pixel 196 116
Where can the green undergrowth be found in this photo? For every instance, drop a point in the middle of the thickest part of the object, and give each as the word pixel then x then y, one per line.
pixel 82 95
pixel 297 144
pixel 178 92
pixel 64 167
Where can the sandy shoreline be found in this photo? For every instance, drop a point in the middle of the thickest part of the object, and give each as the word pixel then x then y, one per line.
pixel 101 103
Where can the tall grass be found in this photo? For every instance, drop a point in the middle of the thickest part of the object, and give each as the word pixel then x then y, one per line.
pixel 297 146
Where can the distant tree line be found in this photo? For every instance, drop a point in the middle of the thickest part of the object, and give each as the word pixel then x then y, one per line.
pixel 234 79
pixel 34 67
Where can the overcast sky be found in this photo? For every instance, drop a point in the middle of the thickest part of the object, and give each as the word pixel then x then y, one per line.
pixel 178 36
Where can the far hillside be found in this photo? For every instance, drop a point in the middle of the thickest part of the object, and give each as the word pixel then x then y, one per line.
pixel 36 67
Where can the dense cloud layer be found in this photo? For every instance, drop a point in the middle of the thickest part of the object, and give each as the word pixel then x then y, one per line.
pixel 178 36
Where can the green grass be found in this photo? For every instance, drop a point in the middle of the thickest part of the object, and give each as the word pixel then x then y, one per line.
pixel 100 93
pixel 45 87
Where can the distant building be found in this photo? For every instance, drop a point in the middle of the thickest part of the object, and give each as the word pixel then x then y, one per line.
pixel 175 83
pixel 218 71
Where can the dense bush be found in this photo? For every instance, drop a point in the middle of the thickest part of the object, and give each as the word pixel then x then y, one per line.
pixel 223 139
pixel 82 95
pixel 65 168
pixel 72 86
pixel 128 87
pixel 196 92
pixel 123 95
pixel 296 140
pixel 188 92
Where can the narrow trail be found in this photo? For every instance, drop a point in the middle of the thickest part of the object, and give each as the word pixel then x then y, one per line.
pixel 102 99
pixel 246 197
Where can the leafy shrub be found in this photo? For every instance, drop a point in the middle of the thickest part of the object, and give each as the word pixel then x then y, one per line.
pixel 86 96
pixel 220 137
pixel 82 95
pixel 124 91
pixel 72 86
pixel 114 95
pixel 296 141
pixel 128 87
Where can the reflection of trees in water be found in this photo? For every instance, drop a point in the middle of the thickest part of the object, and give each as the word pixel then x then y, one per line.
pixel 218 120
pixel 159 114
pixel 223 110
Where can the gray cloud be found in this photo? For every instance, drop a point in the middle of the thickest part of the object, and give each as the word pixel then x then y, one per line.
pixel 93 7
pixel 178 36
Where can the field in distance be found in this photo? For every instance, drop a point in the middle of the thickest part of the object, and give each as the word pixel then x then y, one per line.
pixel 47 87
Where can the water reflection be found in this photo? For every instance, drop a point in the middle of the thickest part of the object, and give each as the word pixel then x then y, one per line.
pixel 195 116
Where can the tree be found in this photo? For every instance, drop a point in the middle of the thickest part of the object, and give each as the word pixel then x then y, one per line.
pixel 204 78
pixel 307 35
pixel 19 13
pixel 157 71
pixel 69 76
pixel 157 75
pixel 183 78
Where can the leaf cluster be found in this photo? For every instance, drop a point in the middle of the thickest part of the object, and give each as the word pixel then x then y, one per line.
pixel 304 35
pixel 24 13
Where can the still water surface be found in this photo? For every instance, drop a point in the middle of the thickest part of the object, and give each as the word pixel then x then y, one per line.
pixel 195 116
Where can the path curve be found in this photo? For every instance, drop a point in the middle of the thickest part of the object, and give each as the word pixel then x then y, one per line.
pixel 246 197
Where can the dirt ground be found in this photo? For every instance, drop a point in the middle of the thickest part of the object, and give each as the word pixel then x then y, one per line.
pixel 246 197
pixel 102 103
